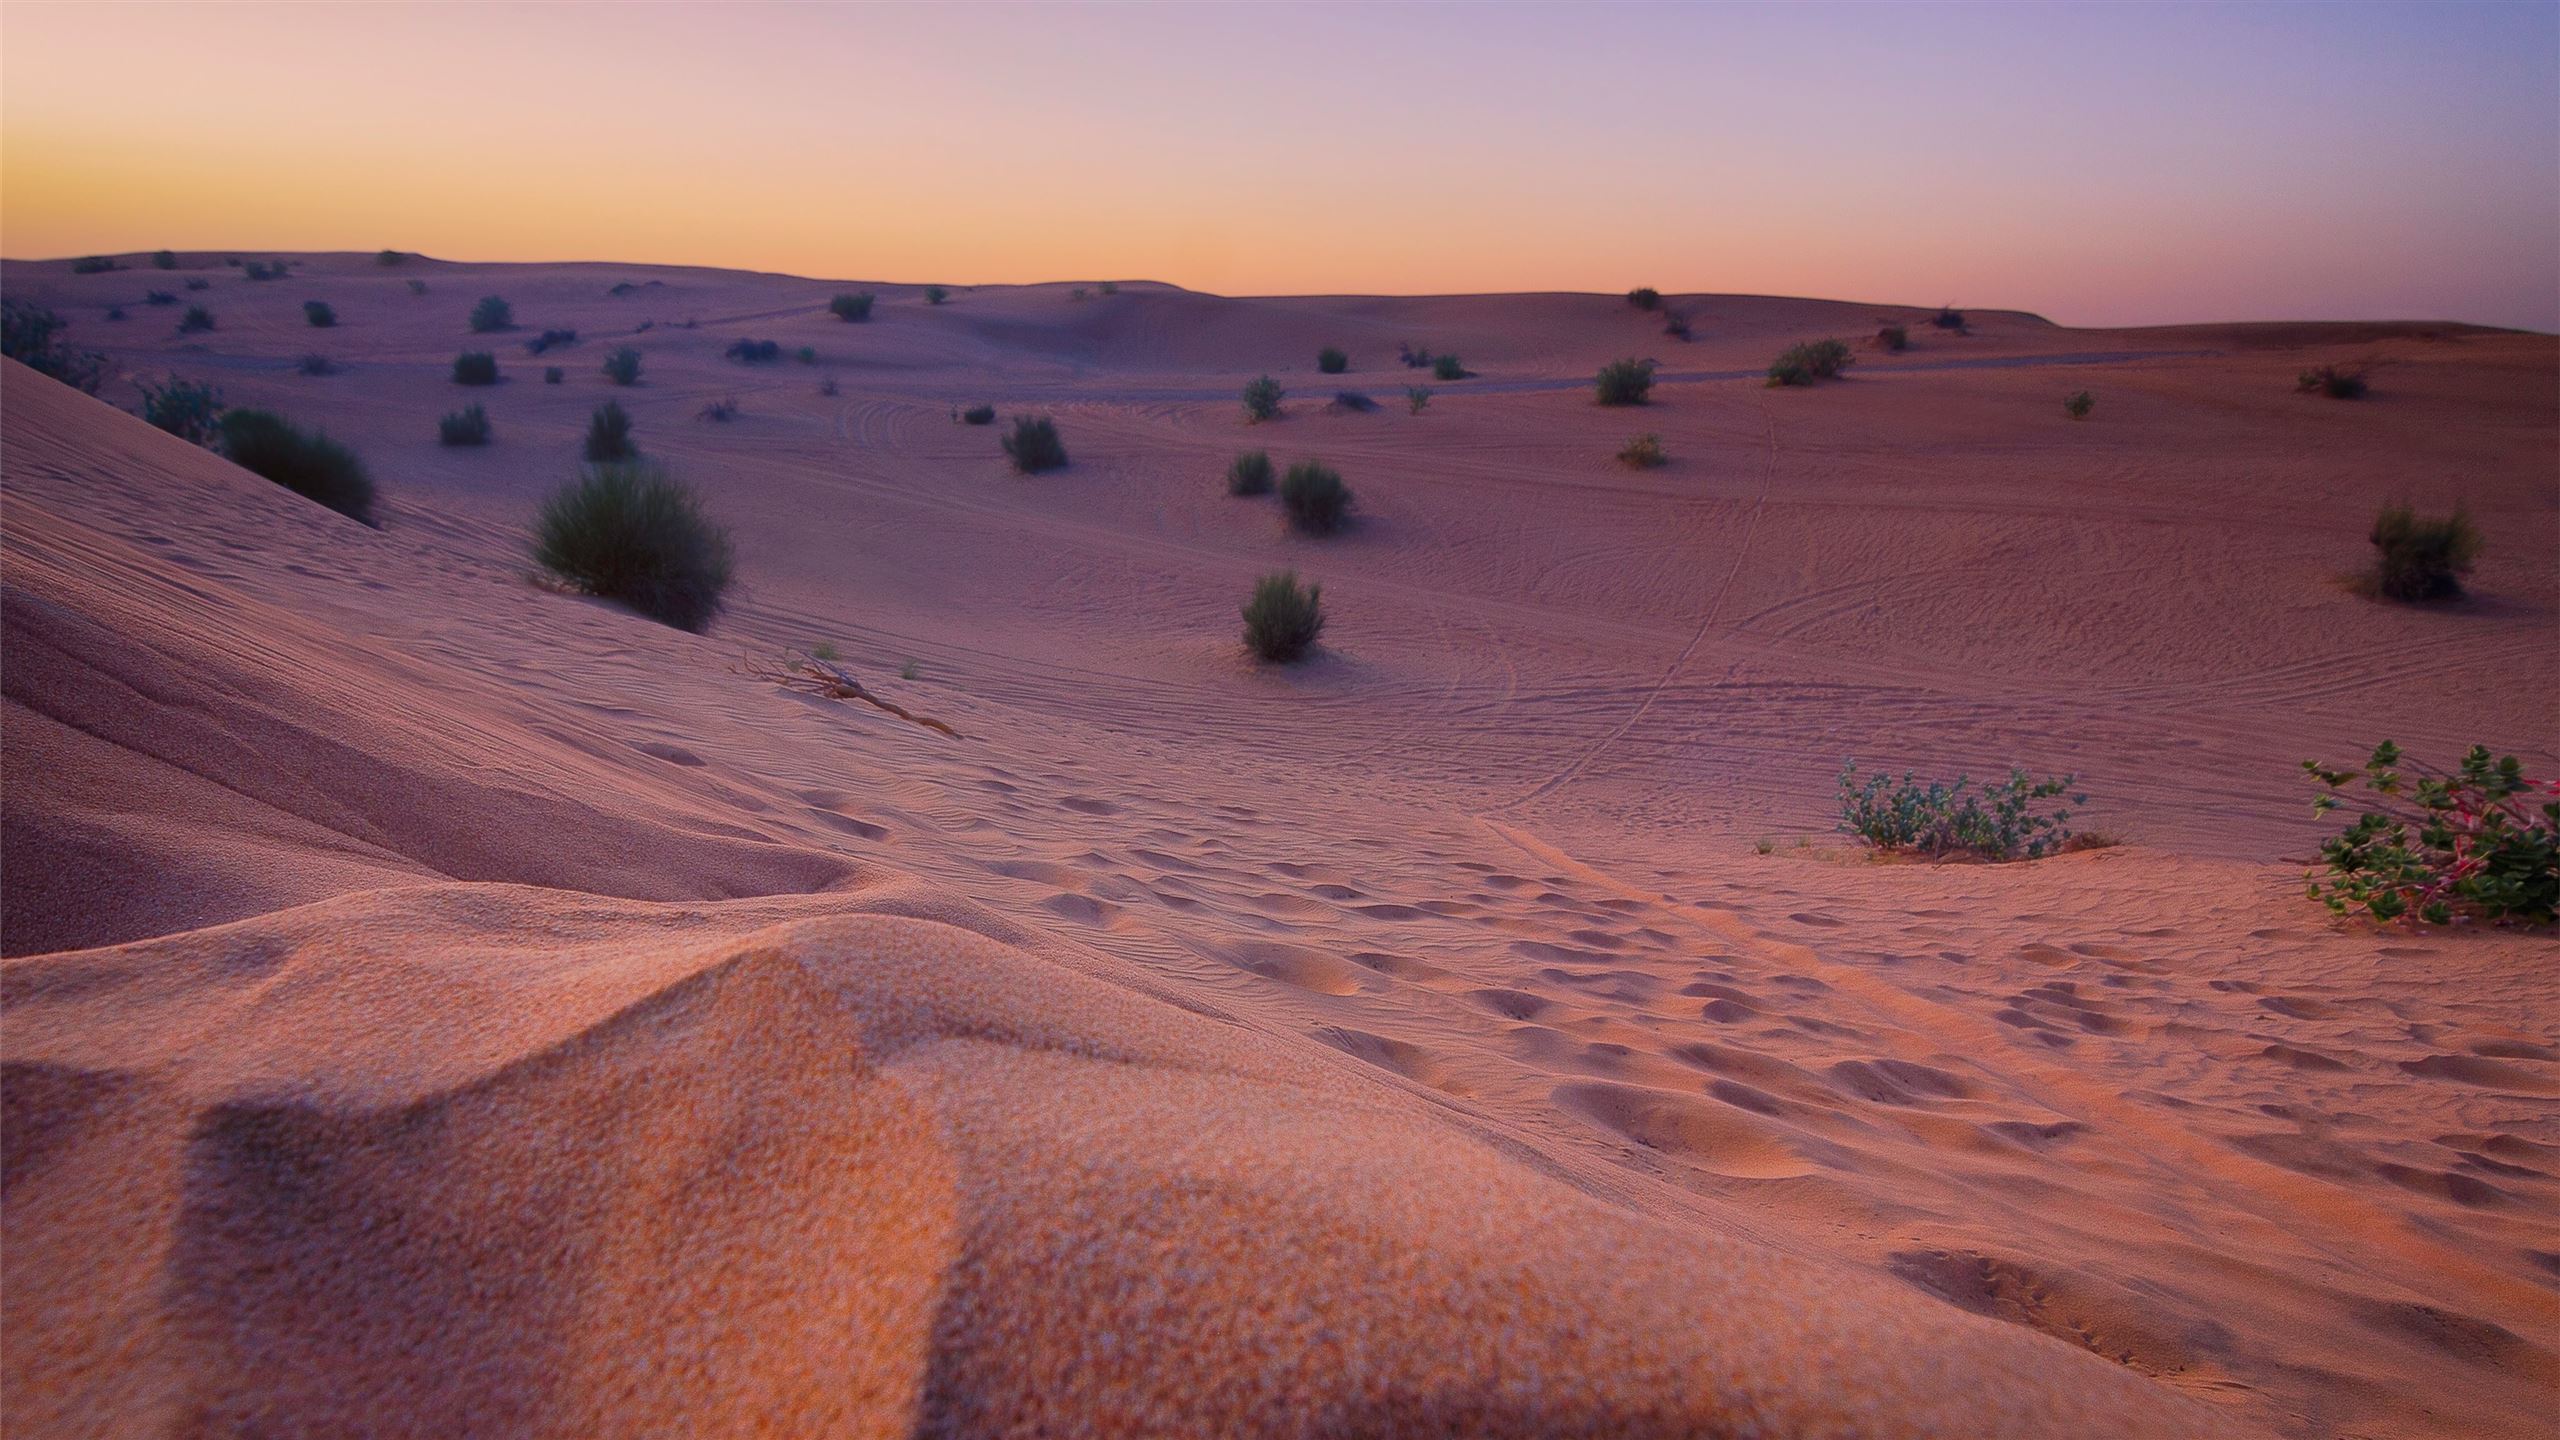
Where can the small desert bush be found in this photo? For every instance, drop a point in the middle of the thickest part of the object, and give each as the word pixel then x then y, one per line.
pixel 829 387
pixel 319 314
pixel 1675 325
pixel 196 321
pixel 1644 453
pixel 417 287
pixel 2422 558
pixel 935 294
pixel 264 270
pixel 979 415
pixel 1414 359
pixel 2333 382
pixel 806 355
pixel 33 336
pixel 723 410
pixel 2080 403
pixel 158 297
pixel 1332 361
pixel 1992 822
pixel 553 374
pixel 188 409
pixel 755 352
pixel 115 312
pixel 1110 287
pixel 551 340
pixel 467 426
pixel 475 367
pixel 1894 338
pixel 1283 618
pixel 1079 294
pixel 1034 445
pixel 390 257
pixel 492 314
pixel 315 365
pixel 1250 474
pixel 851 308
pixel 2433 845
pixel 308 463
pixel 94 265
pixel 609 434
pixel 1811 361
pixel 1417 398
pixel 1315 497
pixel 198 282
pixel 164 259
pixel 622 367
pixel 1262 398
pixel 1353 400
pixel 1644 297
pixel 1625 382
pixel 629 532
pixel 1446 367
pixel 1948 318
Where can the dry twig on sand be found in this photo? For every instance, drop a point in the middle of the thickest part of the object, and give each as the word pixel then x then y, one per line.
pixel 819 677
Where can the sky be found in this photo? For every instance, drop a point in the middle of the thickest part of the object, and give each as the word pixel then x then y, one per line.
pixel 2105 164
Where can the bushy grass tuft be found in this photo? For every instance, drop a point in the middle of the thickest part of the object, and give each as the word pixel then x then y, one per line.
pixel 308 463
pixel 1948 318
pixel 724 410
pixel 1446 367
pixel 2078 404
pixel 315 365
pixel 1283 618
pixel 1811 361
pixel 553 374
pixel 2422 558
pixel 2333 382
pixel 475 367
pixel 1034 445
pixel 1262 399
pixel 94 265
pixel 1315 497
pixel 1250 474
pixel 1353 400
pixel 935 294
pixel 1332 361
pixel 390 257
pixel 264 270
pixel 467 426
pixel 550 340
pixel 1644 297
pixel 1626 382
pixel 196 321
pixel 609 435
pixel 319 314
pixel 1644 453
pixel 1675 325
pixel 1894 338
pixel 417 287
pixel 851 308
pixel 755 352
pixel 158 297
pixel 198 282
pixel 1993 822
pixel 33 336
pixel 631 533
pixel 492 314
pixel 1417 398
pixel 164 259
pixel 622 367
pixel 979 415
pixel 1413 358
pixel 188 409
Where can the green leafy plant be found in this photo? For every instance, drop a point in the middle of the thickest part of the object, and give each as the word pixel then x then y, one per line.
pixel 34 337
pixel 553 374
pixel 198 282
pixel 2079 404
pixel 1110 287
pixel 724 410
pixel 475 367
pixel 1949 318
pixel 1283 618
pixel 1992 821
pixel 629 532
pixel 1894 338
pixel 1644 453
pixel 935 294
pixel 196 321
pixel 622 367
pixel 264 270
pixel 2431 846
pixel 1317 501
pixel 806 355
pixel 308 463
pixel 1332 361
pixel 390 257
pixel 1446 367
pixel 94 265
pixel 1034 445
pixel 467 426
pixel 1644 297
pixel 851 308
pixel 188 409
pixel 158 297
pixel 492 314
pixel 417 287
pixel 164 259
pixel 1417 398
pixel 2420 557
pixel 1675 325
pixel 1625 382
pixel 1262 399
pixel 1079 294
pixel 2333 382
pixel 609 435
pixel 1814 360
pixel 1250 474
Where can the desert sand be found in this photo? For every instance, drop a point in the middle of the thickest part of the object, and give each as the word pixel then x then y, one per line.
pixel 438 1005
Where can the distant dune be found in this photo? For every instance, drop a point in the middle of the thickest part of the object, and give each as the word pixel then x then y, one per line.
pixel 441 1005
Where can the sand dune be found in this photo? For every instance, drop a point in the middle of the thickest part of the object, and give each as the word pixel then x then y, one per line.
pixel 438 1005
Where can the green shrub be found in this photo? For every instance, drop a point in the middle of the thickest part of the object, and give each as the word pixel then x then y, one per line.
pixel 1110 287
pixel 468 426
pixel 553 374
pixel 828 387
pixel 164 259
pixel 609 435
pixel 1034 445
pixel 851 308
pixel 1644 453
pixel 1332 361
pixel 158 297
pixel 1412 358
pixel 315 365
pixel 807 355
pixel 319 314
pixel 1417 397
pixel 1353 400
pixel 196 321
pixel 755 352
pixel 979 415
pixel 1079 294
pixel 1626 382
pixel 309 464
pixel 1283 618
pixel 628 532
pixel 1811 361
pixel 2418 558
pixel 188 409
pixel 417 287
pixel 1315 497
pixel 1446 367
pixel 2080 403
pixel 198 282
pixel 1894 338
pixel 475 367
pixel 1675 325
pixel 2333 382
pixel 1250 474
pixel 390 257
pixel 115 312
pixel 264 270
pixel 550 340
pixel 1948 318
pixel 1993 822
pixel 1644 297
pixel 622 367
pixel 2433 845
pixel 723 410
pixel 94 265
pixel 935 294
pixel 1262 399
pixel 492 314
pixel 33 336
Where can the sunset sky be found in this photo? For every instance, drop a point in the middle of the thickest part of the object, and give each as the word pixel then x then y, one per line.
pixel 2117 164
